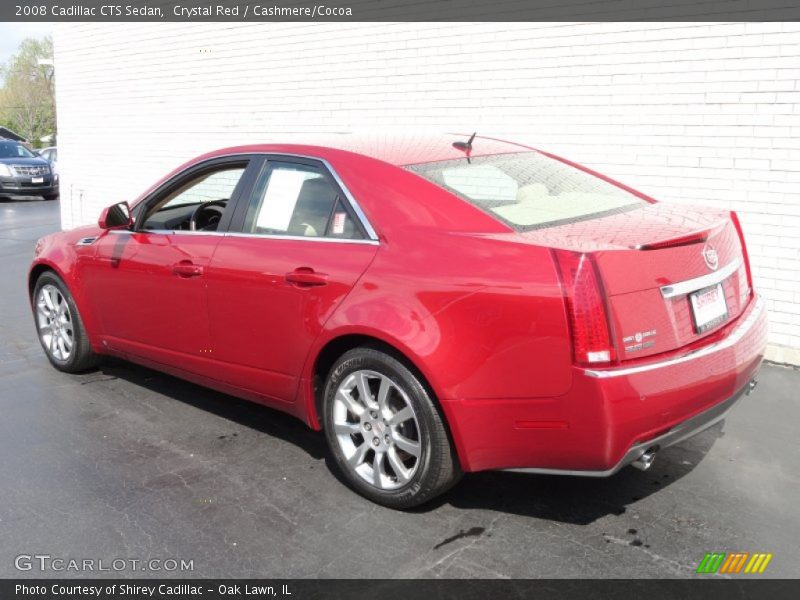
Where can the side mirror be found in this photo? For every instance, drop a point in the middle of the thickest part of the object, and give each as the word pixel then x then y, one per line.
pixel 116 216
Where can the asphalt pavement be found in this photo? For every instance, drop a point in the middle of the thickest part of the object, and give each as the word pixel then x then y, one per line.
pixel 125 463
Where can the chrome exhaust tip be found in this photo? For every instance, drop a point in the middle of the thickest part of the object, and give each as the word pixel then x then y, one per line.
pixel 646 459
pixel 751 386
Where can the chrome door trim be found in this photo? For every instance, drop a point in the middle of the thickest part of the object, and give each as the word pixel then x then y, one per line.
pixel 368 228
pixel 299 238
pixel 698 283
pixel 362 217
pixel 737 334
pixel 371 234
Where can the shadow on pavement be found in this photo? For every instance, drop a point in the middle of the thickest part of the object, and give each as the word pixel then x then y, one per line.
pixel 575 500
pixel 578 500
pixel 248 414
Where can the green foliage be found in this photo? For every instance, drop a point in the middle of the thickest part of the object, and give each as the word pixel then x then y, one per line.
pixel 27 95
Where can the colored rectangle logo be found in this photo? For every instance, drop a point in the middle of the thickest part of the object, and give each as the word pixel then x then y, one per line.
pixel 733 563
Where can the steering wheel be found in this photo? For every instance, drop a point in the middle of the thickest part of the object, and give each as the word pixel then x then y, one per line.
pixel 207 216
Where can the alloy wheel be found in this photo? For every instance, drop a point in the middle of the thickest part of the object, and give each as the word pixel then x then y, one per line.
pixel 54 320
pixel 377 429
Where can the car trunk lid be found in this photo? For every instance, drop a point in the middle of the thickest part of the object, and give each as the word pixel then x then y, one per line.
pixel 672 275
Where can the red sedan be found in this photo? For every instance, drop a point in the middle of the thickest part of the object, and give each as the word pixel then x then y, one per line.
pixel 435 305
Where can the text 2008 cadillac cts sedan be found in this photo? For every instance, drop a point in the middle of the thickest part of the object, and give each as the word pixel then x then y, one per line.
pixel 436 305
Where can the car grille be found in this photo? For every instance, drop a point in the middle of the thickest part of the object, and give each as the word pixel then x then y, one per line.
pixel 29 171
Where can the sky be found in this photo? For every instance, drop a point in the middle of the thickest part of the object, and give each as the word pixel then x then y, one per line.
pixel 11 34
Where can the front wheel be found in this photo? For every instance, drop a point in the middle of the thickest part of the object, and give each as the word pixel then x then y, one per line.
pixel 59 326
pixel 385 432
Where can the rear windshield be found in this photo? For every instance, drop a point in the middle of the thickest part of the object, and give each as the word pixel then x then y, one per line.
pixel 528 190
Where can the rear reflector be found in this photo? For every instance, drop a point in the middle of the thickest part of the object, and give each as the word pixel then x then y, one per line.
pixel 586 307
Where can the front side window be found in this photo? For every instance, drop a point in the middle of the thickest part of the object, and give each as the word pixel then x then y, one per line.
pixel 298 200
pixel 209 187
pixel 528 190
pixel 196 204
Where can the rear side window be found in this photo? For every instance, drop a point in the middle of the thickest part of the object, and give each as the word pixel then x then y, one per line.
pixel 299 200
pixel 528 190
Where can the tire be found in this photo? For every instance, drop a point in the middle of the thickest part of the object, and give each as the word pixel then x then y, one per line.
pixel 53 305
pixel 51 197
pixel 399 428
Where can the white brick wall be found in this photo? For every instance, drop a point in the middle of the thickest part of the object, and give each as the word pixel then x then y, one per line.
pixel 701 113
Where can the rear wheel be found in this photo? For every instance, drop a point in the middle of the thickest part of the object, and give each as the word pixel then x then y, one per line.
pixel 59 326
pixel 385 432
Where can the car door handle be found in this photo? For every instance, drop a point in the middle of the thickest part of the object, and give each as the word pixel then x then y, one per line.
pixel 305 277
pixel 186 268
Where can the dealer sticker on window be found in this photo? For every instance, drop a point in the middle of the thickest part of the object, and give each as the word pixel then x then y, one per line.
pixel 338 223
pixel 708 307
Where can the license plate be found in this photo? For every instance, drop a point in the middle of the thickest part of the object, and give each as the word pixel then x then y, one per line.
pixel 37 180
pixel 708 307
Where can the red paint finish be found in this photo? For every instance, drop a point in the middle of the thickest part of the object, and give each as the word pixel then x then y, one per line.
pixel 479 310
pixel 142 288
pixel 269 300
pixel 604 416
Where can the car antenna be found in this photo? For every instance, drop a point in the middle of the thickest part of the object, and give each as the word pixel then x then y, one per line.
pixel 465 147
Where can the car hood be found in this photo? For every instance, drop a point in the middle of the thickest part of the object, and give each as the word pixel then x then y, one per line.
pixel 34 162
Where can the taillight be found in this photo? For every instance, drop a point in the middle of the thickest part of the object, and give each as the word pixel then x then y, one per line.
pixel 586 307
pixel 745 257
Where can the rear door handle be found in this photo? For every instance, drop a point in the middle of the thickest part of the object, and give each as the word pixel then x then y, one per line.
pixel 187 268
pixel 306 277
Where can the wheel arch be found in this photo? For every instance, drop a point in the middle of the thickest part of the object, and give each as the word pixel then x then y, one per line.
pixel 42 266
pixel 36 272
pixel 335 347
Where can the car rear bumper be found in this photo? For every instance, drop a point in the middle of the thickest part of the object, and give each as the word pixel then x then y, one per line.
pixel 642 453
pixel 611 417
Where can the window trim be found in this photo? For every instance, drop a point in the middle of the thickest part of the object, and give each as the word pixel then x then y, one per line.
pixel 344 195
pixel 251 162
pixel 257 162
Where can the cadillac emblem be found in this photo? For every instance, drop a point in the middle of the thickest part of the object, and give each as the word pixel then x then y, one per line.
pixel 710 256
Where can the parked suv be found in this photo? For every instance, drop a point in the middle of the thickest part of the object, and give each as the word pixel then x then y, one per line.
pixel 22 173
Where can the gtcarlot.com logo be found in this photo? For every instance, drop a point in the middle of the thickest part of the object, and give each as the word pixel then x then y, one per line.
pixel 734 563
pixel 46 562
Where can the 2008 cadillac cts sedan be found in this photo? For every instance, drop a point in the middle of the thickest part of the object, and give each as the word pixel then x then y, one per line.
pixel 437 305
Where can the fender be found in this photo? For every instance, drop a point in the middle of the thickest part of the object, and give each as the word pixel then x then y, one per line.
pixel 65 262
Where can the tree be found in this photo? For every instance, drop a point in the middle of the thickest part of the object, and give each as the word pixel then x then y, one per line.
pixel 27 98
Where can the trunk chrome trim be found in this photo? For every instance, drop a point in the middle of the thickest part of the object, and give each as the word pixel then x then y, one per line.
pixel 737 334
pixel 698 283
